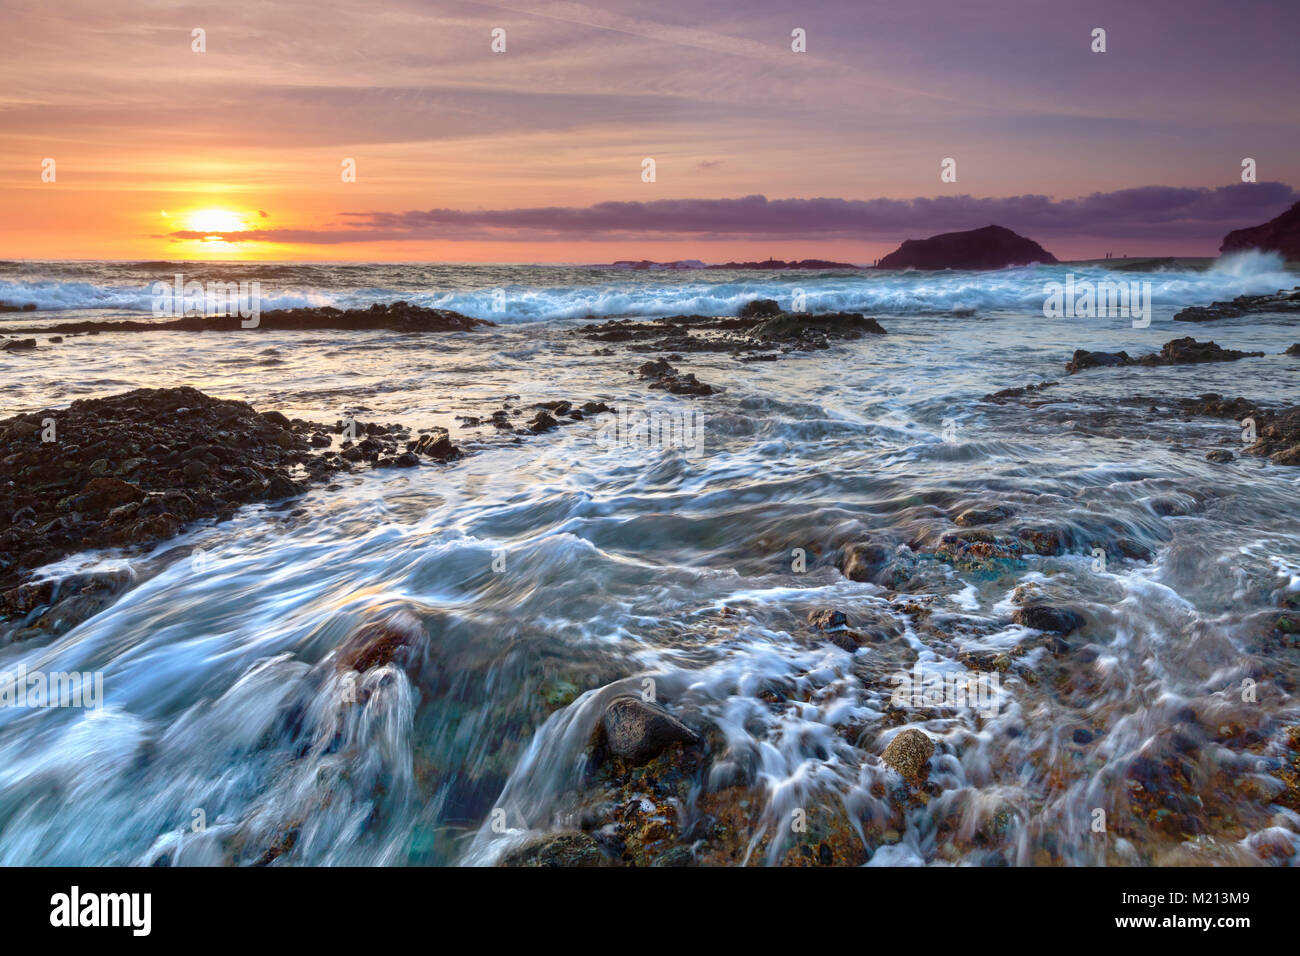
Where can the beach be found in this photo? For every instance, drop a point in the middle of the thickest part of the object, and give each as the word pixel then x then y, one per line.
pixel 875 596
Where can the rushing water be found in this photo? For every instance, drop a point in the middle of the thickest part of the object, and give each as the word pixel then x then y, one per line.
pixel 221 694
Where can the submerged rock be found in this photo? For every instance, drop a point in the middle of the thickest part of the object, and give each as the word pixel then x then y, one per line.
pixel 637 731
pixel 662 375
pixel 864 560
pixel 972 517
pixel 1045 617
pixel 557 849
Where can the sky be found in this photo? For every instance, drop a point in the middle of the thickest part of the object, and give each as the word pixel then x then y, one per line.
pixel 119 141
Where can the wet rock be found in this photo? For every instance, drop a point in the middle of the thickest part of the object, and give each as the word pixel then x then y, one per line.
pixel 663 376
pixel 1083 359
pixel 378 643
pixel 1281 301
pixel 393 316
pixel 1018 392
pixel 760 328
pixel 17 345
pixel 435 444
pixel 542 422
pixel 1044 542
pixel 909 753
pixel 759 309
pixel 972 517
pixel 1220 456
pixel 558 849
pixel 828 619
pixel 675 856
pixel 637 731
pixel 1280 234
pixel 863 561
pixel 76 487
pixel 1184 351
pixel 1277 431
pixel 102 494
pixel 1045 617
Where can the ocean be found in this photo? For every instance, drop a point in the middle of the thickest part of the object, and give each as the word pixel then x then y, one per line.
pixel 540 577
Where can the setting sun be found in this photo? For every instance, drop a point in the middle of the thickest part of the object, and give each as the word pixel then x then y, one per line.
pixel 214 221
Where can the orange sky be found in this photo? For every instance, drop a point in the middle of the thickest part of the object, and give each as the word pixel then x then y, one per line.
pixel 145 132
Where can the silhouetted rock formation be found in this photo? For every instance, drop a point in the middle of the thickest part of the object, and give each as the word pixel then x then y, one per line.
pixel 993 247
pixel 1281 234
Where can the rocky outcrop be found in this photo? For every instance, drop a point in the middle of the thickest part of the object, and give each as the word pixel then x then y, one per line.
pixel 1277 431
pixel 394 316
pixel 1281 301
pixel 1044 617
pixel 1184 351
pixel 761 326
pixel 993 247
pixel 1280 234
pixel 663 375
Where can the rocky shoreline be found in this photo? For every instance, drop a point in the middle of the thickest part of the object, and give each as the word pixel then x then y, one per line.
pixel 760 326
pixel 132 470
pixel 1280 301
pixel 391 317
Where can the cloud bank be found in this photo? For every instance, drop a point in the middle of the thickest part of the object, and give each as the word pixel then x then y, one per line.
pixel 1147 212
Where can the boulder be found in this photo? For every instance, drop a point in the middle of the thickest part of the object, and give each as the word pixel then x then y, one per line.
pixel 909 753
pixel 637 731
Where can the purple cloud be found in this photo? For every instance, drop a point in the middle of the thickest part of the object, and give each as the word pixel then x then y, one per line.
pixel 1149 212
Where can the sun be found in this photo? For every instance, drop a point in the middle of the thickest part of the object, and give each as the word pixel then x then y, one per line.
pixel 214 221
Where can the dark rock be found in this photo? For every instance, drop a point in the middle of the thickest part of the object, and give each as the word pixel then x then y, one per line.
pixel 663 376
pixel 972 517
pixel 542 422
pixel 1184 351
pixel 394 317
pixel 435 444
pixel 863 561
pixel 759 309
pixel 1220 456
pixel 15 345
pixel 909 753
pixel 992 247
pixel 1279 234
pixel 827 619
pixel 1044 617
pixel 557 849
pixel 637 731
pixel 1084 359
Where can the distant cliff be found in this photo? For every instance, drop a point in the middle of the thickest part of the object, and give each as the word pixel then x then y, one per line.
pixel 993 247
pixel 1277 235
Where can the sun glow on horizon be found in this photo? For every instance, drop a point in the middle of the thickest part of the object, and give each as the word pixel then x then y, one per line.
pixel 214 221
